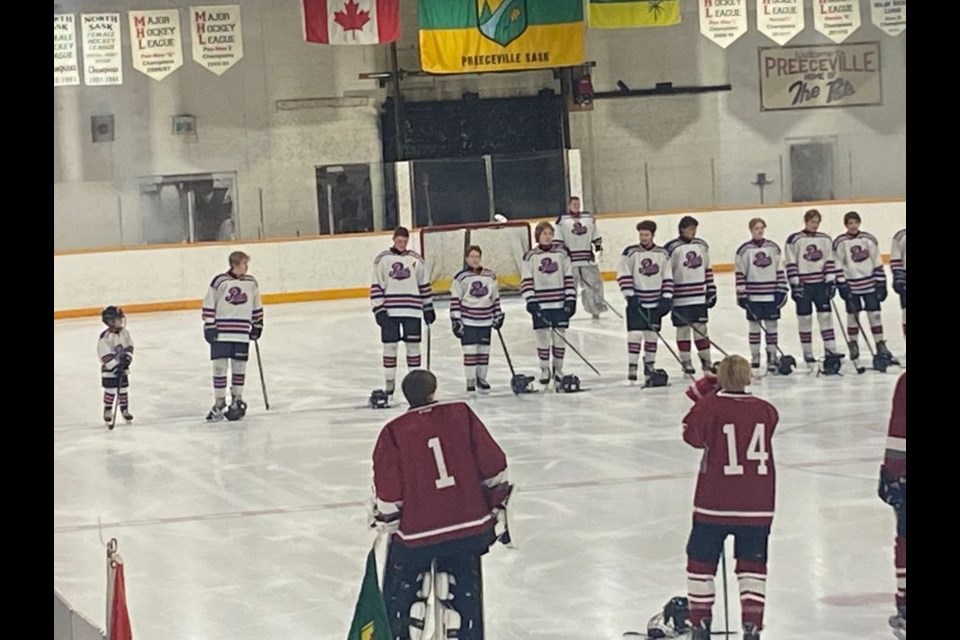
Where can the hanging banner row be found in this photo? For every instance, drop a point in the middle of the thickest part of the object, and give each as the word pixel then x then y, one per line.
pixel 723 21
pixel 155 44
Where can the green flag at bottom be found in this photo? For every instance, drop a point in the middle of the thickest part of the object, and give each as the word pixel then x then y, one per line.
pixel 370 621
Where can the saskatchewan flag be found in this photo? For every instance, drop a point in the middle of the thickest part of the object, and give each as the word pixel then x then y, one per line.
pixel 473 36
pixel 622 14
pixel 370 620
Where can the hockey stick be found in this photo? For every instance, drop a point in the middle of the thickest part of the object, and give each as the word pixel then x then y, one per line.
pixel 518 382
pixel 428 346
pixel 843 327
pixel 263 381
pixel 506 353
pixel 116 405
pixel 726 601
pixel 574 349
pixel 787 363
pixel 647 319
pixel 698 332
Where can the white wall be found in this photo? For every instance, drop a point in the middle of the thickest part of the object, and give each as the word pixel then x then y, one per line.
pixel 95 280
pixel 241 129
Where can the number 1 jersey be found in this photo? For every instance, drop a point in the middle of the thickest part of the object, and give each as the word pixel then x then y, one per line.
pixel 440 471
pixel 737 481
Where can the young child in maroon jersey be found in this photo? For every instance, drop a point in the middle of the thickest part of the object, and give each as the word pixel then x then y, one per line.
pixel 893 491
pixel 735 492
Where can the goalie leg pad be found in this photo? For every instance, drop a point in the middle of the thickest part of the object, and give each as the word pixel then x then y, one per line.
pixel 459 590
pixel 406 591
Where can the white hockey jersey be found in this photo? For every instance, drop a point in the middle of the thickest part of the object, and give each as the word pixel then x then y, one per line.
pixel 579 234
pixel 809 258
pixel 692 272
pixel 475 297
pixel 401 284
pixel 759 272
pixel 111 348
pixel 898 254
pixel 547 277
pixel 858 262
pixel 233 306
pixel 647 273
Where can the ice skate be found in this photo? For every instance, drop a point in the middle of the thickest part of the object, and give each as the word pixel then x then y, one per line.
pixel 750 631
pixel 108 416
pixel 545 376
pixel 773 364
pixel 482 386
pixel 471 386
pixel 688 369
pixel 632 373
pixel 389 386
pixel 882 350
pixel 702 632
pixel 899 624
pixel 126 414
pixel 216 413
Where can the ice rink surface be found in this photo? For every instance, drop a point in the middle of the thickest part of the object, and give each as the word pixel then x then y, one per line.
pixel 257 529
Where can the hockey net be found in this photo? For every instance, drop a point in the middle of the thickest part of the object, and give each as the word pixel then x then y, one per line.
pixel 503 245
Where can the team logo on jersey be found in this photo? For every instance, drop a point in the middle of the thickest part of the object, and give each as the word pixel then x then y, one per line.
pixel 648 267
pixel 236 296
pixel 579 229
pixel 548 265
pixel 693 261
pixel 858 253
pixel 398 271
pixel 813 253
pixel 478 289
pixel 762 259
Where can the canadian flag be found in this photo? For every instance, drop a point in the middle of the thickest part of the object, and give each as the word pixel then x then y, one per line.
pixel 351 21
pixel 118 619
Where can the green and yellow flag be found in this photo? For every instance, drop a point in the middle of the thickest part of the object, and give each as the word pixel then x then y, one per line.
pixel 624 14
pixel 473 36
pixel 370 621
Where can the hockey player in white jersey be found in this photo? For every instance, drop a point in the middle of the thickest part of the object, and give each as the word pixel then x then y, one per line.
pixel 645 277
pixel 694 292
pixel 577 231
pixel 861 282
pixel 400 295
pixel 232 317
pixel 898 266
pixel 115 350
pixel 761 291
pixel 548 288
pixel 474 312
pixel 811 274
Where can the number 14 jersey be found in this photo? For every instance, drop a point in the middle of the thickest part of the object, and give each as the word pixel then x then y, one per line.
pixel 737 481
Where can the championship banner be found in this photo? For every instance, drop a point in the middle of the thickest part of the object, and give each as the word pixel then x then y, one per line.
pixel 66 69
pixel 217 36
pixel 820 76
pixel 780 20
pixel 155 42
pixel 626 14
pixel 836 19
pixel 473 36
pixel 102 54
pixel 890 16
pixel 723 21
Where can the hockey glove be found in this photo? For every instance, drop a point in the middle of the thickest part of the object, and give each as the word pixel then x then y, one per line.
pixel 831 290
pixel 900 284
pixel 429 316
pixel 890 490
pixel 458 328
pixel 598 247
pixel 742 301
pixel 570 308
pixel 210 333
pixel 126 361
pixel 664 306
pixel 881 288
pixel 797 293
pixel 633 303
pixel 533 308
pixel 844 289
pixel 381 316
pixel 711 298
pixel 707 384
pixel 498 320
pixel 256 331
pixel 780 299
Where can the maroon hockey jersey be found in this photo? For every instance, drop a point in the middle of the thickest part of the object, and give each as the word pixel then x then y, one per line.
pixel 439 471
pixel 895 459
pixel 737 482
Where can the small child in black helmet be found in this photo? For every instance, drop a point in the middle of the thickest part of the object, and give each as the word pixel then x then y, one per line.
pixel 115 349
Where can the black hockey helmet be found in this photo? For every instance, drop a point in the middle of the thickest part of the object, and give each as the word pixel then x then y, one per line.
pixel 111 314
pixel 520 383
pixel 379 399
pixel 787 365
pixel 657 378
pixel 569 384
pixel 831 364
